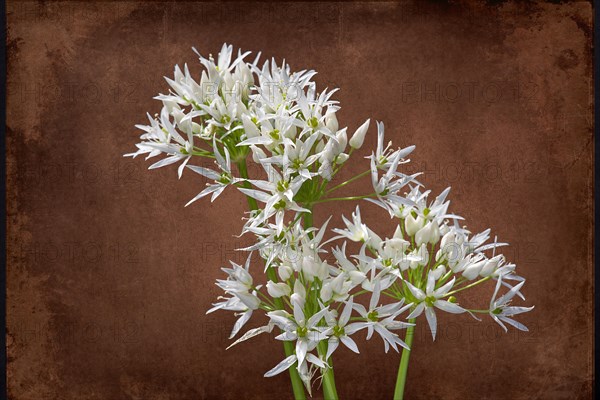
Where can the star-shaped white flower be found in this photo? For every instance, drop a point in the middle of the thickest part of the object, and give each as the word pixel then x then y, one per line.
pixel 430 299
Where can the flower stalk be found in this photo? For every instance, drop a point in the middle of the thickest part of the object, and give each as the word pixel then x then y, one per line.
pixel 288 347
pixel 403 368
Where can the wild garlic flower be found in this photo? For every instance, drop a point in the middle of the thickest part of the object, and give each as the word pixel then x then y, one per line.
pixel 381 319
pixel 432 298
pixel 500 310
pixel 240 111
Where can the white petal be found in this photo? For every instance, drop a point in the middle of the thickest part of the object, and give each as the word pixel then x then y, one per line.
pixel 240 323
pixel 510 294
pixel 349 343
pixel 514 323
pixel 165 161
pixel 418 293
pixel 510 311
pixel 449 307
pixel 332 344
pixel 314 320
pixel 210 189
pixel 355 327
pixel 209 173
pixel 430 283
pixel 375 295
pixel 250 334
pixel 310 357
pixel 444 289
pixel 431 320
pixel 417 311
pixel 345 317
pixel 258 195
pixel 301 350
pixel 282 366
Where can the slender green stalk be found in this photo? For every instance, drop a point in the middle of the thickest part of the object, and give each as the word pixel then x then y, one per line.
pixel 345 198
pixel 307 218
pixel 348 181
pixel 403 368
pixel 329 389
pixel 288 347
pixel 468 286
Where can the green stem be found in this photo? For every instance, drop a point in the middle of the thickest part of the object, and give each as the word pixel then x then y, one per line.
pixel 346 198
pixel 288 347
pixel 329 389
pixel 403 368
pixel 307 218
pixel 348 181
pixel 467 287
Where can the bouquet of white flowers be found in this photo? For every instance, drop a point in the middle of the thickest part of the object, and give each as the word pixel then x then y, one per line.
pixel 239 111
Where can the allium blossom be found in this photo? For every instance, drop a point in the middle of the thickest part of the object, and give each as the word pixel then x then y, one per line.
pixel 242 111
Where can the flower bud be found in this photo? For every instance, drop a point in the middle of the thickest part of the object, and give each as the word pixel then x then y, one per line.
pixel 439 255
pixel 249 300
pixel 398 233
pixel 196 128
pixel 341 158
pixel 326 292
pixel 326 171
pixel 342 140
pixel 299 289
pixel 257 154
pixel 209 129
pixel 397 245
pixel 490 266
pixel 277 290
pixel 331 122
pixel 438 272
pixel 472 271
pixel 243 276
pixel 448 240
pixel 358 138
pixel 285 272
pixel 430 233
pixel 412 225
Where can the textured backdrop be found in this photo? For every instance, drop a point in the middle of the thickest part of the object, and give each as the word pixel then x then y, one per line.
pixel 109 276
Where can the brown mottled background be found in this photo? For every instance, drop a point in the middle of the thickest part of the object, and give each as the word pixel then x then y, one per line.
pixel 109 276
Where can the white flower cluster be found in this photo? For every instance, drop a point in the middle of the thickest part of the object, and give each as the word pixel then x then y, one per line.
pixel 276 118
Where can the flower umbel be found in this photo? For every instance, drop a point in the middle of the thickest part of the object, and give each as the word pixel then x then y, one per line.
pixel 239 111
